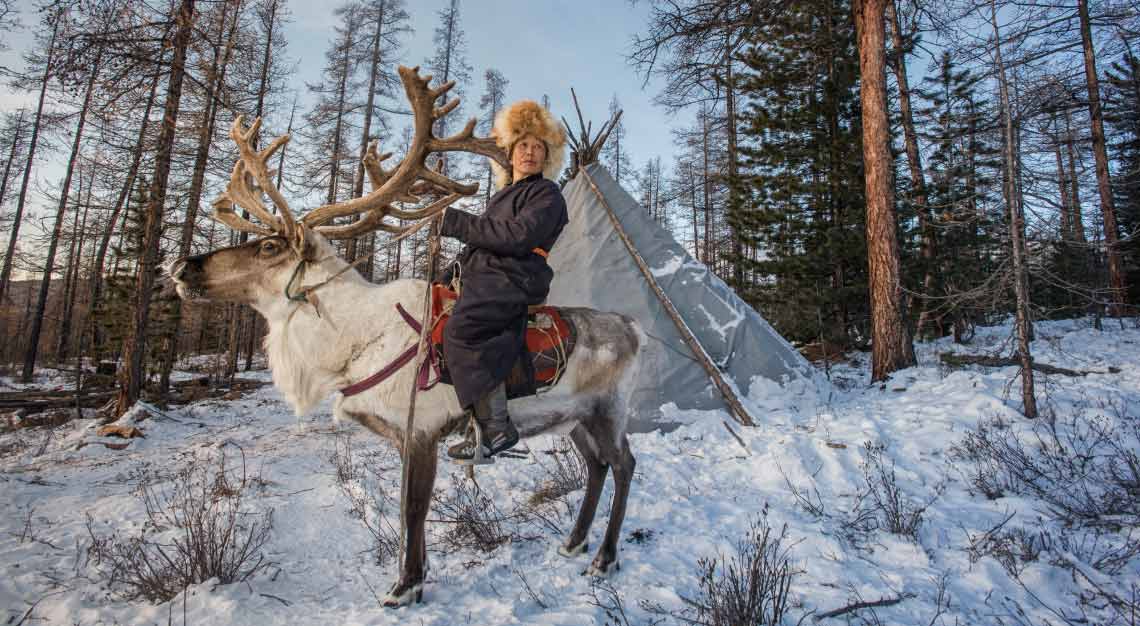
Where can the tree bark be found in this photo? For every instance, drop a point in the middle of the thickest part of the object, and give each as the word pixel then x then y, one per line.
pixel 215 82
pixel 1075 214
pixel 6 271
pixel 120 202
pixel 891 348
pixel 32 350
pixel 1016 228
pixel 1116 280
pixel 1066 226
pixel 374 70
pixel 74 256
pixel 11 156
pixel 131 370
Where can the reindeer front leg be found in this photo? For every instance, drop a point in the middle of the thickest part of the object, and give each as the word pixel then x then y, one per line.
pixel 421 464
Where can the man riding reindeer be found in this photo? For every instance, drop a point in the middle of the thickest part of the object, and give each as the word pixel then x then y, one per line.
pixel 501 271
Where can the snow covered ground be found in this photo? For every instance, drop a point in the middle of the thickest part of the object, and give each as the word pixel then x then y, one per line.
pixel 696 492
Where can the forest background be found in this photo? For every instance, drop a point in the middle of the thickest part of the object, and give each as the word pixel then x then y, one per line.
pixel 865 173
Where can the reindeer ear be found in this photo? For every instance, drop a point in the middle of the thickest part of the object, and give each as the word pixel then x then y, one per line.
pixel 301 244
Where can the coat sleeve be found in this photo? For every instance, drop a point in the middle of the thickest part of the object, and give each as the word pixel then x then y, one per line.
pixel 538 219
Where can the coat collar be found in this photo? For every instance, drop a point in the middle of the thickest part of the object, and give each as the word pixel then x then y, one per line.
pixel 528 179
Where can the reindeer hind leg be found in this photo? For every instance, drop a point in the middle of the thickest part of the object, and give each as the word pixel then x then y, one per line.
pixel 596 471
pixel 623 464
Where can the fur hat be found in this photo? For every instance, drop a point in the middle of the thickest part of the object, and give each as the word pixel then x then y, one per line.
pixel 527 117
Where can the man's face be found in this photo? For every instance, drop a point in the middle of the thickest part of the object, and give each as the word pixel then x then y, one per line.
pixel 528 157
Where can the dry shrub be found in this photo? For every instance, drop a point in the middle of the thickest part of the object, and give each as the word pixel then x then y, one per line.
pixel 750 587
pixel 361 483
pixel 1085 466
pixel 565 474
pixel 884 502
pixel 197 528
pixel 473 519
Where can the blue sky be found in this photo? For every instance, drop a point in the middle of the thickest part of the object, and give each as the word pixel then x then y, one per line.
pixel 541 46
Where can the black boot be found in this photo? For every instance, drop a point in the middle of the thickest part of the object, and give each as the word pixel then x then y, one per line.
pixel 490 431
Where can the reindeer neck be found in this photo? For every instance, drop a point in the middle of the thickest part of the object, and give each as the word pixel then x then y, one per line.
pixel 307 343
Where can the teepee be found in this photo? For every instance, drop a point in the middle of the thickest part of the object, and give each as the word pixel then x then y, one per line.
pixel 705 347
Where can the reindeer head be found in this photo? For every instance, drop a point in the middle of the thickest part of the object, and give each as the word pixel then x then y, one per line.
pixel 263 268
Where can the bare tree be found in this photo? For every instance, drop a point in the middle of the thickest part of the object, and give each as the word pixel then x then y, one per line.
pixel 43 60
pixel 1117 286
pixel 493 98
pixel 131 371
pixel 226 19
pixel 32 348
pixel 615 155
pixel 1017 225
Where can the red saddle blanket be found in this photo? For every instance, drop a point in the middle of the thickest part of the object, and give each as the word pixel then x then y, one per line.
pixel 550 339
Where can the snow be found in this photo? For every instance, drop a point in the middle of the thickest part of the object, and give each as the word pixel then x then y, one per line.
pixel 669 267
pixel 696 489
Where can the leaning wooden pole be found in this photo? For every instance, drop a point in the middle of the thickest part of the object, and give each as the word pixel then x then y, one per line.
pixel 730 396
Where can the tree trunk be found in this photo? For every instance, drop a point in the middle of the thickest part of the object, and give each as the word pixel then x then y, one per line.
pixel 131 371
pixel 11 156
pixel 71 276
pixel 1017 229
pixel 1075 213
pixel 121 201
pixel 706 196
pixel 374 70
pixel 914 166
pixel 891 348
pixel 733 168
pixel 32 350
pixel 215 82
pixel 1066 227
pixel 6 272
pixel 1116 281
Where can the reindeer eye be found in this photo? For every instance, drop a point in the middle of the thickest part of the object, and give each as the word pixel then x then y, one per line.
pixel 269 247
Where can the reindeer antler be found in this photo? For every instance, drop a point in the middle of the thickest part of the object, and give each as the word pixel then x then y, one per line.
pixel 409 182
pixel 253 164
pixel 411 178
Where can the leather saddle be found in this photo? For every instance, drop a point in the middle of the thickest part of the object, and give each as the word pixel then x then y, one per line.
pixel 550 339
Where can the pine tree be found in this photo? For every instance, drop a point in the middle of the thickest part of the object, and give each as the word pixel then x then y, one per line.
pixel 958 180
pixel 615 153
pixel 1122 112
pixel 804 181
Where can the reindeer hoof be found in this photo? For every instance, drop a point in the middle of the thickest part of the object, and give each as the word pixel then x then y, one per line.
pixel 403 595
pixel 573 551
pixel 602 571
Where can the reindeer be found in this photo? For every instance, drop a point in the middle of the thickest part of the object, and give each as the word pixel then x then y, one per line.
pixel 328 327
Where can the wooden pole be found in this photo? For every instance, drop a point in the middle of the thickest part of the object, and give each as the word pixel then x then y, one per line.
pixel 730 398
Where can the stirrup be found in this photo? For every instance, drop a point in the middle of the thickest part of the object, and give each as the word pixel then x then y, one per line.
pixel 477 458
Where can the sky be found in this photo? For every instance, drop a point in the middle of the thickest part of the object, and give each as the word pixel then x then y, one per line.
pixel 540 46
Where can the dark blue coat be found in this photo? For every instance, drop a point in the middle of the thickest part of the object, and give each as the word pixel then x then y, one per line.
pixel 500 275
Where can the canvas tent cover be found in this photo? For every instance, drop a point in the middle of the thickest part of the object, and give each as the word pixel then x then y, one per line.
pixel 593 268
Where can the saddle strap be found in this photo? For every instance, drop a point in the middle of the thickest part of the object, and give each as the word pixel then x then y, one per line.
pixel 423 378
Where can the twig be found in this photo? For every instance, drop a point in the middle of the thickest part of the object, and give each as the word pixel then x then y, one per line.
pixel 859 606
pixel 279 599
pixel 533 595
pixel 736 437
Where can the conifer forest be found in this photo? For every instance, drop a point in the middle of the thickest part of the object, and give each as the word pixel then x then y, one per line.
pixel 987 167
pixel 885 182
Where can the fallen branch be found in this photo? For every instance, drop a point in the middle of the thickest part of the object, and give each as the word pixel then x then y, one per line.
pixel 962 360
pixel 859 606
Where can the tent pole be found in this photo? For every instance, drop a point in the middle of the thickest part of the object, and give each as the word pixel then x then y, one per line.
pixel 730 398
